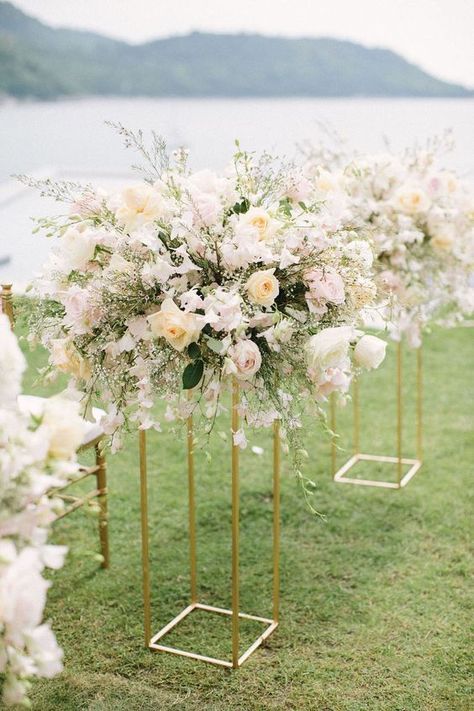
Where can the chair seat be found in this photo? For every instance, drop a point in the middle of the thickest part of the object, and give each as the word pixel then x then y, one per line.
pixel 33 405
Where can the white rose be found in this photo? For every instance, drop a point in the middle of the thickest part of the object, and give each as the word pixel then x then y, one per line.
pixel 263 287
pixel 63 426
pixel 329 348
pixel 246 358
pixel 177 327
pixel 78 246
pixel 370 352
pixel 12 363
pixel 411 200
pixel 259 219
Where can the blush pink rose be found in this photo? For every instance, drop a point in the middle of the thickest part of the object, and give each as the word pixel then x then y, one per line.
pixel 246 358
pixel 325 287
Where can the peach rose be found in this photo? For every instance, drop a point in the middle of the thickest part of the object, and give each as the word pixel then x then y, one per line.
pixel 177 327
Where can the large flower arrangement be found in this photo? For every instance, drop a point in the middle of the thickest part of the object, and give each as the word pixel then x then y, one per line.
pixel 420 218
pixel 35 457
pixel 188 279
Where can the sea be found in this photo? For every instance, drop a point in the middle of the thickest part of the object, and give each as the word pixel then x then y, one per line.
pixel 69 139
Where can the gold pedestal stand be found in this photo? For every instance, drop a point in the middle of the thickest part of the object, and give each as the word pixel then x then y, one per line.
pixel 339 475
pixel 154 642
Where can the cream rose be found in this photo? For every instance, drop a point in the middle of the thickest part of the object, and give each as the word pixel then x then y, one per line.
pixel 329 348
pixel 263 287
pixel 64 428
pixel 411 200
pixel 370 352
pixel 65 357
pixel 443 239
pixel 141 204
pixel 246 358
pixel 177 327
pixel 259 219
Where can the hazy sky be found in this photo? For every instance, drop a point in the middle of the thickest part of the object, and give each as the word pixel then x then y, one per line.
pixel 436 34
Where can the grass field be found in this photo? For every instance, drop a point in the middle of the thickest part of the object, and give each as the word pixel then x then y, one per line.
pixel 376 597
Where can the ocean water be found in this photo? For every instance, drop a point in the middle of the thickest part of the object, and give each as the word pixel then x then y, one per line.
pixel 70 139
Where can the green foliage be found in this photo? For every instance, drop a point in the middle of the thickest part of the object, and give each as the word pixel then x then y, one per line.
pixel 38 61
pixel 241 207
pixel 376 599
pixel 192 374
pixel 194 351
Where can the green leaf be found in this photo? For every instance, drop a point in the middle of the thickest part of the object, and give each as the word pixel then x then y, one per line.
pixel 194 351
pixel 244 206
pixel 215 345
pixel 192 374
pixel 241 207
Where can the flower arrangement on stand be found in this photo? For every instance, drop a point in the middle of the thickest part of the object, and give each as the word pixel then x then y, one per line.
pixel 188 279
pixel 189 285
pixel 36 455
pixel 420 219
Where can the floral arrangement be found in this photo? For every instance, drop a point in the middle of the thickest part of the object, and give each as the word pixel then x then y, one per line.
pixel 35 457
pixel 189 279
pixel 420 219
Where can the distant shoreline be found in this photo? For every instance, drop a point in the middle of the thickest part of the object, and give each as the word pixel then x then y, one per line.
pixel 79 98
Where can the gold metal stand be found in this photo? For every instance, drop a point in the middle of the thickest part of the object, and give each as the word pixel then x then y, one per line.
pixel 154 642
pixel 339 475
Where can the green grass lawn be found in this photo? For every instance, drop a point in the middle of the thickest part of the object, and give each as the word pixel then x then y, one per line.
pixel 376 598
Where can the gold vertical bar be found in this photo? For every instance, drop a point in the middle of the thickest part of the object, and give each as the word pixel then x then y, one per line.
pixel 145 540
pixel 356 405
pixel 333 438
pixel 191 507
pixel 276 519
pixel 419 403
pixel 101 477
pixel 399 412
pixel 7 303
pixel 235 526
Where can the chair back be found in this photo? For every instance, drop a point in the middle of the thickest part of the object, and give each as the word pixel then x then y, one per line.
pixel 7 303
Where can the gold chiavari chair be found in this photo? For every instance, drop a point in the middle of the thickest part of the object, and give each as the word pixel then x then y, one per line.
pixel 93 439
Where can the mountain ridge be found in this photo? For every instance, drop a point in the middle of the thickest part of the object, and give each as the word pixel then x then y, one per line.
pixel 41 62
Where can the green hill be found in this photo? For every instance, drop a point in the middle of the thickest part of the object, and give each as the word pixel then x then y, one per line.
pixel 41 62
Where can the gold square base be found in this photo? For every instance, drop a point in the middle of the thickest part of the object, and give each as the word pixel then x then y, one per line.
pixel 272 625
pixel 340 477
